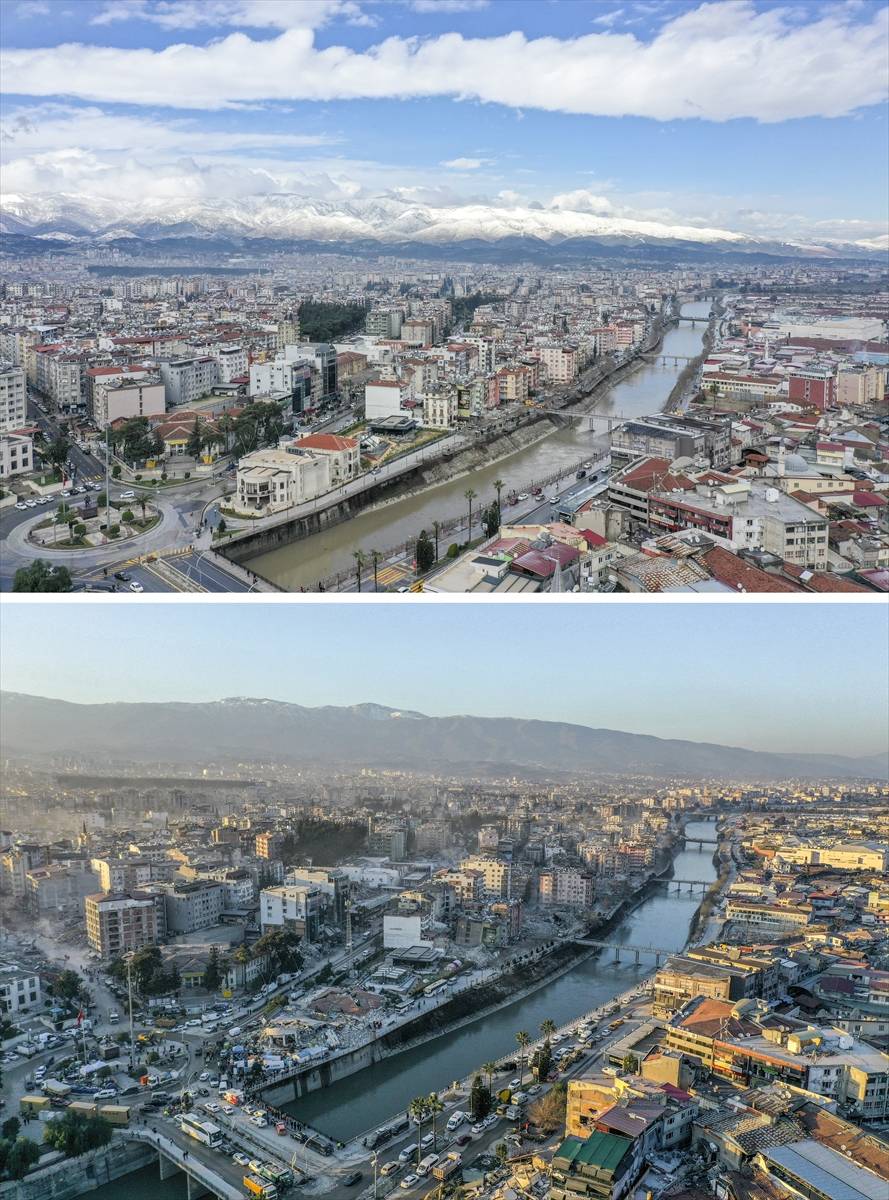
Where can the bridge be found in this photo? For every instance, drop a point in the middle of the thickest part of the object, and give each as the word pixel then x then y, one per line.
pixel 690 884
pixel 625 948
pixel 694 320
pixel 200 1178
pixel 699 842
pixel 668 360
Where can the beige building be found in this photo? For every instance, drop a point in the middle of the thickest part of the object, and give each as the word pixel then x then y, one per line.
pixel 125 399
pixel 13 398
pixel 117 922
pixel 343 454
pixel 560 362
pixel 440 409
pixel 16 454
pixel 860 384
pixel 566 886
pixel 272 480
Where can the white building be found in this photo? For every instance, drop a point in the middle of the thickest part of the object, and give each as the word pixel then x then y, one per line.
pixel 188 379
pixel 384 398
pixel 271 480
pixel 440 410
pixel 232 362
pixel 124 399
pixel 13 398
pixel 402 932
pixel 16 454
pixel 292 906
pixel 19 989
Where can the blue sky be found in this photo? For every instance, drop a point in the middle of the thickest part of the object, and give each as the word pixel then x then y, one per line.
pixel 749 116
pixel 782 677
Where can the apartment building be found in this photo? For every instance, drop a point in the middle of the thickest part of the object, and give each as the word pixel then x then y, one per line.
pixel 13 398
pixel 440 409
pixel 117 922
pixel 233 362
pixel 131 874
pixel 188 379
pixel 568 886
pixel 496 874
pixel 15 864
pixel 384 398
pixel 680 979
pixel 813 387
pixel 292 906
pixel 559 362
pixel 280 378
pixel 59 888
pixel 122 400
pixel 192 906
pixel 671 438
pixel 384 322
pixel 861 383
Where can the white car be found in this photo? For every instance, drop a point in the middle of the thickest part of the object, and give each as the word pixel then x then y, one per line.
pixel 211 1106
pixel 259 1122
pixel 21 506
pixel 228 1108
pixel 406 1154
pixel 409 1181
pixel 523 496
pixel 491 1121
pixel 478 1127
pixel 204 1076
pixel 30 504
pixel 241 1159
pixel 126 496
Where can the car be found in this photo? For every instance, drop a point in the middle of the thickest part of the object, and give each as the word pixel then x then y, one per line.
pixel 533 1089
pixel 123 576
pixel 131 495
pixel 581 474
pixel 514 1083
pixel 241 1159
pixel 523 496
pixel 66 495
pixel 352 1178
pixel 20 505
pixel 406 1154
pixel 390 1168
pixel 228 1108
pixel 44 499
pixel 105 1094
pixel 478 1127
pixel 215 1083
pixel 203 1091
pixel 259 1122
pixel 193 1022
pixel 552 499
pixel 211 1106
pixel 204 1076
pixel 491 1121
pixel 30 504
pixel 136 586
pixel 463 1140
pixel 427 1141
pixel 409 1181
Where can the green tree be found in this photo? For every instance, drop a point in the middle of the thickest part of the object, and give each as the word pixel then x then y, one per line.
pixel 68 986
pixel 502 1151
pixel 491 520
pixel 22 1155
pixel 425 553
pixel 282 946
pixel 358 555
pixel 375 557
pixel 523 1038
pixel 489 1069
pixel 434 1106
pixel 215 971
pixel 418 1111
pixel 128 516
pixel 197 439
pixel 547 1027
pixel 221 525
pixel 479 1100
pixel 498 486
pixel 470 495
pixel 56 452
pixel 74 1134
pixel 436 530
pixel 326 321
pixel 630 1064
pixel 79 529
pixel 10 1128
pixel 39 578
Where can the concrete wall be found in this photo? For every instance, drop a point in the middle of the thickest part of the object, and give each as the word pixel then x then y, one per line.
pixel 75 1177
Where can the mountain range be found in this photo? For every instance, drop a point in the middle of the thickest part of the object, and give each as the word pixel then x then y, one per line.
pixel 243 729
pixel 384 225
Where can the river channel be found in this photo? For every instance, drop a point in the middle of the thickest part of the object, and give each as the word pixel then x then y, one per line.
pixel 365 1099
pixel 642 392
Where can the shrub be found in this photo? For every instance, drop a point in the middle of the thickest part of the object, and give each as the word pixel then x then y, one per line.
pixel 115 471
pixel 188 474
pixel 453 550
pixel 128 516
pixel 114 531
pixel 79 529
pixel 138 477
pixel 163 474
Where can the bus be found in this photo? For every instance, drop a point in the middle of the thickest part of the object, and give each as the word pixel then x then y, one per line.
pixel 201 1131
pixel 435 988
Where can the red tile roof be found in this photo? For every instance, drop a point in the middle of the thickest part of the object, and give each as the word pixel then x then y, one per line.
pixel 327 441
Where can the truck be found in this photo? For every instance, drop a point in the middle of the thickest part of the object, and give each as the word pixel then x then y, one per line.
pixel 426 1164
pixel 52 1087
pixel 86 1108
pixel 260 1187
pixel 448 1166
pixel 33 1104
pixel 115 1114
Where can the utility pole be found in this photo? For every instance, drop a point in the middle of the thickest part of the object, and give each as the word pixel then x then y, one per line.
pixel 130 997
pixel 107 479
pixel 374 1159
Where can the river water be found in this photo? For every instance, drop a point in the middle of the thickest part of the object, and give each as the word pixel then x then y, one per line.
pixel 642 392
pixel 368 1097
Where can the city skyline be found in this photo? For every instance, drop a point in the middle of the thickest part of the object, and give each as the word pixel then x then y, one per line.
pixel 620 112
pixel 727 660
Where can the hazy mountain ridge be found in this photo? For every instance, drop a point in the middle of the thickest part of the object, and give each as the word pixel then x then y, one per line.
pixel 385 221
pixel 245 729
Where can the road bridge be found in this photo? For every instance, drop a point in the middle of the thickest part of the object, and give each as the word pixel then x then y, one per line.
pixel 668 360
pixel 690 884
pixel 201 1178
pixel 699 842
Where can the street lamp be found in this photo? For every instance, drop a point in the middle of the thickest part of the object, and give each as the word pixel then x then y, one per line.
pixel 129 962
pixel 374 1158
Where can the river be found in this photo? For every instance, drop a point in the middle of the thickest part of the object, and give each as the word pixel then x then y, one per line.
pixel 642 392
pixel 368 1097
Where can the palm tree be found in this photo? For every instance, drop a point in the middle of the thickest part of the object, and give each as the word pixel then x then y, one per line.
pixel 143 505
pixel 498 488
pixel 434 1106
pixel 358 555
pixel 375 557
pixel 436 526
pixel 470 496
pixel 489 1068
pixel 547 1028
pixel 418 1110
pixel 524 1041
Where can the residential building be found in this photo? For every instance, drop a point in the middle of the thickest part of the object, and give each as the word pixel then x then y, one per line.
pixel 384 398
pixel 117 922
pixel 124 399
pixel 13 398
pixel 343 452
pixel 188 379
pixel 271 480
pixel 192 906
pixel 292 906
pixel 20 990
pixel 568 886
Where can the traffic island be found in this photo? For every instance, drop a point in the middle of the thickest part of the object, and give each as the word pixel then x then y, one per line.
pixel 91 527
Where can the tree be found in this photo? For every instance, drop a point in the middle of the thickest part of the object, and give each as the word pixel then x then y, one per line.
pixel 213 975
pixel 418 1110
pixel 22 1155
pixel 498 488
pixel 548 1113
pixel 56 452
pixel 436 529
pixel 489 1068
pixel 547 1027
pixel 523 1038
pixel 128 516
pixel 74 1134
pixel 68 986
pixel 143 504
pixel 10 1129
pixel 502 1151
pixel 479 1100
pixel 435 1106
pixel 358 555
pixel 470 495
pixel 196 439
pixel 375 557
pixel 38 577
pixel 425 553
pixel 282 946
pixel 491 520
pixel 630 1064
pixel 221 525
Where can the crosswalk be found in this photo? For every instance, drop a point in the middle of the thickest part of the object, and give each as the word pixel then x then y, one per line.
pixel 394 575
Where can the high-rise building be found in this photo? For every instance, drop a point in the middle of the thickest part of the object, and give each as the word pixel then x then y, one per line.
pixel 117 922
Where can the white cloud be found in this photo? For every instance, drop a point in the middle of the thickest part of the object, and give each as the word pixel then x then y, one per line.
pixel 464 164
pixel 609 18
pixel 447 6
pixel 717 62
pixel 250 14
pixel 582 201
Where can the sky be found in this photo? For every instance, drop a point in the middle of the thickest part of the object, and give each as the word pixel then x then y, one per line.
pixel 747 115
pixel 800 677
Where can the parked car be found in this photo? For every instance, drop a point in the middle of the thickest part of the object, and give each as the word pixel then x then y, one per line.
pixel 352 1178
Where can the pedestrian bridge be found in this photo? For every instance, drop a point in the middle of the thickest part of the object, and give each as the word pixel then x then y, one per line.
pixel 625 948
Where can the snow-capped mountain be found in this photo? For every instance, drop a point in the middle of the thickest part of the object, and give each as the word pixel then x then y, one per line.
pixel 382 220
